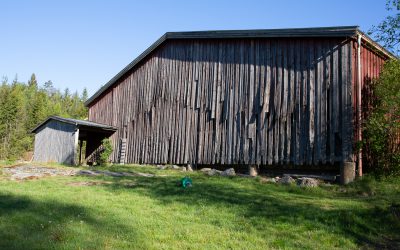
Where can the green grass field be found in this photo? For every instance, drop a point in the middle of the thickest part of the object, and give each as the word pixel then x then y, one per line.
pixel 216 213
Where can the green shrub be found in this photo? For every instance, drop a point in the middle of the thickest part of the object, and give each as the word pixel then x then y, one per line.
pixel 106 151
pixel 382 127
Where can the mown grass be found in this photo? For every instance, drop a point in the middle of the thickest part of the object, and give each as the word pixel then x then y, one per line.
pixel 216 213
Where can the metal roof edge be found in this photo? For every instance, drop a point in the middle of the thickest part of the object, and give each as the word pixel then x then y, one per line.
pixel 127 68
pixel 376 45
pixel 66 120
pixel 52 117
pixel 287 32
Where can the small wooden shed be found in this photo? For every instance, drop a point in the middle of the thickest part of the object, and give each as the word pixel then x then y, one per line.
pixel 59 139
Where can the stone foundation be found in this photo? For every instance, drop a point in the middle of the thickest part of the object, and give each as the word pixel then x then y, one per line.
pixel 347 172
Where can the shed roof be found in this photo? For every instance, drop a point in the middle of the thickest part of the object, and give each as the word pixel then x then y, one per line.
pixel 78 123
pixel 338 31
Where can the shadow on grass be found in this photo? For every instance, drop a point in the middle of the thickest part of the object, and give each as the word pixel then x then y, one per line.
pixel 32 224
pixel 261 205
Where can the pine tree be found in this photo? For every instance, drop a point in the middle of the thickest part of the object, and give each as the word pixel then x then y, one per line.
pixel 24 106
pixel 32 82
pixel 84 95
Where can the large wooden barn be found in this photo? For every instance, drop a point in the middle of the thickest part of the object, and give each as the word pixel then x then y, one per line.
pixel 267 98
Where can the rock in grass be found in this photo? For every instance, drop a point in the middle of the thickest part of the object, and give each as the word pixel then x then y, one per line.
pixel 189 168
pixel 266 180
pixel 175 167
pixel 162 167
pixel 228 172
pixel 286 180
pixel 307 182
pixel 213 172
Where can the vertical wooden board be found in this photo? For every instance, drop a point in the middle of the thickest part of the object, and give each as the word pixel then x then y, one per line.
pixel 257 90
pixel 214 81
pixel 234 80
pixel 261 52
pixel 183 107
pixel 240 112
pixel 177 127
pixel 173 114
pixel 319 81
pixel 230 81
pixel 225 100
pixel 230 136
pixel 166 108
pixel 292 102
pixel 267 97
pixel 200 106
pixel 163 110
pixel 261 128
pixel 188 131
pixel 274 105
pixel 311 110
pixel 343 82
pixel 284 106
pixel 251 104
pixel 334 102
pixel 267 89
pixel 297 103
pixel 220 79
pixel 305 100
pixel 226 51
pixel 211 122
pixel 271 99
pixel 325 107
pixel 349 103
pixel 185 135
pixel 204 106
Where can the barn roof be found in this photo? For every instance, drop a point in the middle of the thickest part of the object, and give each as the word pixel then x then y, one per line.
pixel 78 123
pixel 339 31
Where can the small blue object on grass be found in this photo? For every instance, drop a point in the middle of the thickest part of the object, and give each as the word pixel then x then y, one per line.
pixel 186 182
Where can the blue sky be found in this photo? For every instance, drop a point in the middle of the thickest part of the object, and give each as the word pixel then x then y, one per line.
pixel 79 44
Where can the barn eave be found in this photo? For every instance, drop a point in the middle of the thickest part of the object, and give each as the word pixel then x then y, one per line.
pixel 77 123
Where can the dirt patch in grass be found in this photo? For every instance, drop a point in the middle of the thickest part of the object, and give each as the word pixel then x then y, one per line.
pixel 88 183
pixel 29 172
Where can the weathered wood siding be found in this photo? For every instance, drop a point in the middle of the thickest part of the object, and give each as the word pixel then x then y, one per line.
pixel 371 65
pixel 235 101
pixel 55 142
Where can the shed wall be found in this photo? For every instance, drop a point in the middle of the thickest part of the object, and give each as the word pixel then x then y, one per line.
pixel 55 142
pixel 236 101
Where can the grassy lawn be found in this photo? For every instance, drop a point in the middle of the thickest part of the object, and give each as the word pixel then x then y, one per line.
pixel 216 213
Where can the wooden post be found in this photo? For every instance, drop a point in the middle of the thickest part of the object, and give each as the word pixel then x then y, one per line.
pixel 253 170
pixel 76 137
pixel 80 152
pixel 359 105
pixel 347 172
